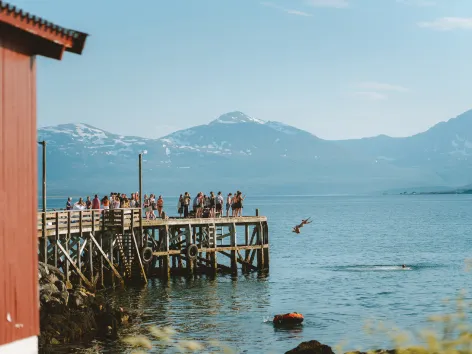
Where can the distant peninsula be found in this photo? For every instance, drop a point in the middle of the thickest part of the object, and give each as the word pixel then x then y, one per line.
pixel 429 191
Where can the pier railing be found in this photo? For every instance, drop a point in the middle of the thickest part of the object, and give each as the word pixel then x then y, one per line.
pixel 61 222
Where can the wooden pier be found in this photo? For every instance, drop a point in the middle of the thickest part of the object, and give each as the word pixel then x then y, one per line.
pixel 106 248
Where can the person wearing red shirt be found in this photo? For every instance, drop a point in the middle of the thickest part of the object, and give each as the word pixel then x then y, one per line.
pixel 96 202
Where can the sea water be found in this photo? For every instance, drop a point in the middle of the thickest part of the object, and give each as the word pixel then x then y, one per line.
pixel 341 271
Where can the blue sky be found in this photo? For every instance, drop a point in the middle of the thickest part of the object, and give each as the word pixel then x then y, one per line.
pixel 337 68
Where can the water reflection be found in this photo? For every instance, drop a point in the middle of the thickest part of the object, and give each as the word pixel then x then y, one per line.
pixel 199 308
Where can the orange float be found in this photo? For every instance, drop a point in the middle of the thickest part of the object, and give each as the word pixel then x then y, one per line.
pixel 292 318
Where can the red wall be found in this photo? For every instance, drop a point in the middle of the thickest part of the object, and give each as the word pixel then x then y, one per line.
pixel 19 301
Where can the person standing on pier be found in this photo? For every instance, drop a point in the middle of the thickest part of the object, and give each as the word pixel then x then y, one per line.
pixel 88 203
pixel 187 200
pixel 180 206
pixel 106 203
pixel 69 204
pixel 219 203
pixel 160 205
pixel 212 205
pixel 229 202
pixel 96 203
pixel 241 198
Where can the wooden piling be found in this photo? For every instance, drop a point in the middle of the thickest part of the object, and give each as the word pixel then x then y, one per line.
pixel 165 258
pixel 234 243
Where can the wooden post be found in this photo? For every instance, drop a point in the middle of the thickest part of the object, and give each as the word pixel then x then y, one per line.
pixel 45 238
pixel 234 257
pixel 165 261
pixel 68 239
pixel 180 246
pixel 260 253
pixel 56 239
pixel 266 242
pixel 257 212
pixel 111 259
pixel 246 243
pixel 102 283
pixel 212 263
pixel 91 260
pixel 189 239
pixel 79 246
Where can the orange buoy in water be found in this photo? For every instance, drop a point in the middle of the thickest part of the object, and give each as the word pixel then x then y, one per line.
pixel 288 319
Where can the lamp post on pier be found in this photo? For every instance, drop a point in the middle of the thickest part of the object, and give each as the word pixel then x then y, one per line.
pixel 144 152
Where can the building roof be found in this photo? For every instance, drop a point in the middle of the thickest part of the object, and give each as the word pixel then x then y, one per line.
pixel 43 37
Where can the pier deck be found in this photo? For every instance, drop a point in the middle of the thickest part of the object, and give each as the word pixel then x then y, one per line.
pixel 103 248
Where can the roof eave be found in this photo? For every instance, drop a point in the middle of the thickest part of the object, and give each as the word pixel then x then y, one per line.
pixel 61 38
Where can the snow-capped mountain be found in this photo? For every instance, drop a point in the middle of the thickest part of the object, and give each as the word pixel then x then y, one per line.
pixel 236 150
pixel 236 134
pixel 445 149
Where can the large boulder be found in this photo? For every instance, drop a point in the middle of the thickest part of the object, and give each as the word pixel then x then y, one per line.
pixel 311 347
pixel 48 289
pixel 378 351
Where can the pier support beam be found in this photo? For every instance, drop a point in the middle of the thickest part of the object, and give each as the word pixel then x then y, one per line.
pixel 260 251
pixel 165 271
pixel 265 229
pixel 234 256
pixel 189 241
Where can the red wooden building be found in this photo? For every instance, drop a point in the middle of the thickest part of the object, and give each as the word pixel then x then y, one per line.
pixel 22 38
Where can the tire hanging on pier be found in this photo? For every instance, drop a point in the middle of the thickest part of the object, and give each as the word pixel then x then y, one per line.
pixel 192 252
pixel 146 255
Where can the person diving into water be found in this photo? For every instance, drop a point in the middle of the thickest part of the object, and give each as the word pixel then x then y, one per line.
pixel 306 221
pixel 297 228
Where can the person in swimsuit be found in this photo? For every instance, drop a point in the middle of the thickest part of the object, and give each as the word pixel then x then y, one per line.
pixel 160 205
pixel 88 203
pixel 69 204
pixel 229 202
pixel 212 205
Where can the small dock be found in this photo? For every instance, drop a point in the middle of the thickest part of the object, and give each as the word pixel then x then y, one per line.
pixel 107 248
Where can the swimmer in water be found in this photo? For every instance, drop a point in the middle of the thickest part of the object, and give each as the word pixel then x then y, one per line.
pixel 403 266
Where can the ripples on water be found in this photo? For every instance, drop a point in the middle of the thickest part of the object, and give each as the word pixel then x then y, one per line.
pixel 343 269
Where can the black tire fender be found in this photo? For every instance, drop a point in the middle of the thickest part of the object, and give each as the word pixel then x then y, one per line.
pixel 192 252
pixel 146 255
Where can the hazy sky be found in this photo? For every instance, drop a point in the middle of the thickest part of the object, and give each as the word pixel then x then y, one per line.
pixel 337 68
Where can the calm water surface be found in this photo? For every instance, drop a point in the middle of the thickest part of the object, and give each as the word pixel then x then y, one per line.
pixel 339 272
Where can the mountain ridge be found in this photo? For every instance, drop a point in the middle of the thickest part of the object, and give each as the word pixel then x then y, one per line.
pixel 238 149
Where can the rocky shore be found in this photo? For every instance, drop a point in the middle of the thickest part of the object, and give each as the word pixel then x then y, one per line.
pixel 315 347
pixel 70 314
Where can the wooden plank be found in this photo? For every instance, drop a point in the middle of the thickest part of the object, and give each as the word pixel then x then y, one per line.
pixel 44 236
pixel 91 270
pixel 139 256
pixel 110 263
pixel 110 259
pixel 210 250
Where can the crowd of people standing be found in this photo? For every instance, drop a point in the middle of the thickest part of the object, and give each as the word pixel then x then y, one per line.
pixel 201 206
pixel 115 201
pixel 210 205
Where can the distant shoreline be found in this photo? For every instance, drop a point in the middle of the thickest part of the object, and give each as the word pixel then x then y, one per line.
pixel 467 191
